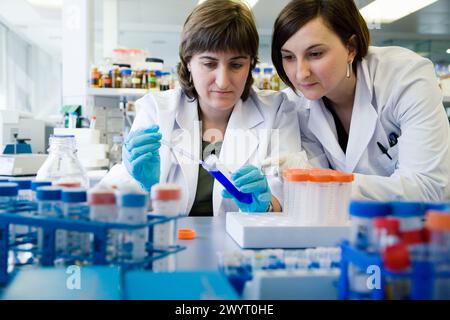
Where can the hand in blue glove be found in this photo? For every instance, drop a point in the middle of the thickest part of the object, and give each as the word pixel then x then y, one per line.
pixel 250 179
pixel 140 155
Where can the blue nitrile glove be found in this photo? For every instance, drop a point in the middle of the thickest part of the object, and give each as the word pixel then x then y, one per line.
pixel 141 156
pixel 250 179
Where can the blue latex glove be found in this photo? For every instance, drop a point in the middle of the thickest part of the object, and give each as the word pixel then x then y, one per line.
pixel 250 179
pixel 141 156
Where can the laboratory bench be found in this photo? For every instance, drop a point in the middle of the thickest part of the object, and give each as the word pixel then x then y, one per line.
pixel 196 276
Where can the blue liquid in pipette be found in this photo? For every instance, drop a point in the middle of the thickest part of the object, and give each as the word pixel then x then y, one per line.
pixel 241 196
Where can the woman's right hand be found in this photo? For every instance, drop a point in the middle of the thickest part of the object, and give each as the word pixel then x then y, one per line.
pixel 140 155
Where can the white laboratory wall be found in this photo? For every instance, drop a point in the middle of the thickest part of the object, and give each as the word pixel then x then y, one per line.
pixel 30 78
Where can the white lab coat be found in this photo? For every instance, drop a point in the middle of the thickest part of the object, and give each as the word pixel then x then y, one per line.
pixel 396 92
pixel 250 137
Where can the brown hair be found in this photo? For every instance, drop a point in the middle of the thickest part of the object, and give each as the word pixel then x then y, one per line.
pixel 341 16
pixel 217 26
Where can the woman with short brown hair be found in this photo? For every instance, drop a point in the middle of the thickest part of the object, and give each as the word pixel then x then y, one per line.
pixel 215 111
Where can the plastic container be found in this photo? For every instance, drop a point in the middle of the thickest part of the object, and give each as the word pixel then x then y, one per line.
pixel 343 181
pixel 36 184
pixel 438 222
pixel 132 209
pixel 77 244
pixel 296 194
pixel 8 194
pixel 412 216
pixel 165 201
pixel 49 201
pixel 387 232
pixel 102 207
pixel 62 165
pixel 223 175
pixel 397 262
pixel 317 197
pixel 322 197
pixel 49 205
pixel 24 185
pixel 362 214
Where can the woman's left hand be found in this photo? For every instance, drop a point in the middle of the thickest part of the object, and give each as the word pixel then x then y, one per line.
pixel 249 179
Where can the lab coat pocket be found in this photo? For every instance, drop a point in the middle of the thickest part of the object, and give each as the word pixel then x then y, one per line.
pixel 387 165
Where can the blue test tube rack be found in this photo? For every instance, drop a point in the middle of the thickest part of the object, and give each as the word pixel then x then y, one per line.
pixel 421 275
pixel 10 216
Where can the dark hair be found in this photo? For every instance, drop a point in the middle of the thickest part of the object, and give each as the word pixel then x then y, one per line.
pixel 217 26
pixel 341 16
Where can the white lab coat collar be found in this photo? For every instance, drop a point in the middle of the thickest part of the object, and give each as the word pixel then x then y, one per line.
pixel 363 123
pixel 364 119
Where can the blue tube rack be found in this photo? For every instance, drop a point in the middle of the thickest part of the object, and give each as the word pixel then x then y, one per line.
pixel 421 275
pixel 11 216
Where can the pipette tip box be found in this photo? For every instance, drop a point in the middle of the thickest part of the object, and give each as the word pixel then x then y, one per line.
pixel 274 230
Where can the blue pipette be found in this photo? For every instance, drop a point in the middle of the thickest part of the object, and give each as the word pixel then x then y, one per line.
pixel 217 170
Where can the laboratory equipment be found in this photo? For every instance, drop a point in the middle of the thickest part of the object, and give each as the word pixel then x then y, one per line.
pixel 317 197
pixel 76 244
pixel 24 185
pixel 91 153
pixel 36 184
pixel 252 232
pixel 396 260
pixel 132 210
pixel 387 232
pixel 15 123
pixel 438 222
pixel 221 174
pixel 411 216
pixel 102 207
pixel 282 274
pixel 8 194
pixel 362 229
pixel 62 163
pixel 217 170
pixel 166 200
pixel 49 205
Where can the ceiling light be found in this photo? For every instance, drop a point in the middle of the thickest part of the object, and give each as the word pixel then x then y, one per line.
pixel 251 3
pixel 49 4
pixel 448 51
pixel 387 11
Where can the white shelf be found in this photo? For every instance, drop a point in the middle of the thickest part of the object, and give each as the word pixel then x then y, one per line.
pixel 111 92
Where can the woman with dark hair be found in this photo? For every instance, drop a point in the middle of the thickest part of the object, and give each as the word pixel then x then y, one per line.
pixel 373 111
pixel 214 111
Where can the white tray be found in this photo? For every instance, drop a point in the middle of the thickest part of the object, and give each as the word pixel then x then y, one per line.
pixel 258 231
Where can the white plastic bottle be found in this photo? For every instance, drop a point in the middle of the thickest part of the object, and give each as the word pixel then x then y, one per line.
pixel 166 202
pixel 102 207
pixel 132 209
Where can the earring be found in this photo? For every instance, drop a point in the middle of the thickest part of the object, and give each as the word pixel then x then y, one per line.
pixel 349 69
pixel 190 77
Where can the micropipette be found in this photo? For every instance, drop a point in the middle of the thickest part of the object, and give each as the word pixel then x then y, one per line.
pixel 217 170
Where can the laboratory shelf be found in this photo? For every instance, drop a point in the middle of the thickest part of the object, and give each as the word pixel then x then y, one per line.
pixel 111 92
